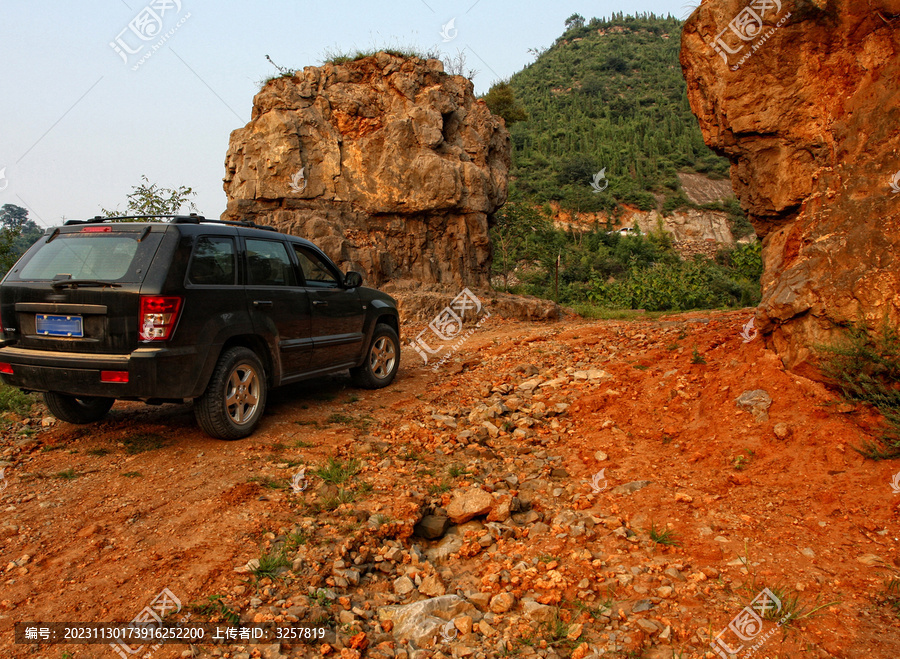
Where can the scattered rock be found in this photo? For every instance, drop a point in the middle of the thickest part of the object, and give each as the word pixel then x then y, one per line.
pixel 403 586
pixel 756 402
pixel 630 488
pixel 468 503
pixel 782 430
pixel 89 530
pixel 432 586
pixel 540 613
pixel 449 544
pixel 463 624
pixel 417 622
pixel 502 603
pixel 480 600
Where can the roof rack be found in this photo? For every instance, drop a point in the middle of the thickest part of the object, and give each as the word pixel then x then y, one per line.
pixel 193 218
pixel 197 219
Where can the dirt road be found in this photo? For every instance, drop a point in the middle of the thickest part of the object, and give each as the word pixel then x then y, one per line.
pixel 591 487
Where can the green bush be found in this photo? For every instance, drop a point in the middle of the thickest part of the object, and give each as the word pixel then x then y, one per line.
pixel 680 286
pixel 15 401
pixel 612 271
pixel 866 368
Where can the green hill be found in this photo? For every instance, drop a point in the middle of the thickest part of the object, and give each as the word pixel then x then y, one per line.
pixel 609 94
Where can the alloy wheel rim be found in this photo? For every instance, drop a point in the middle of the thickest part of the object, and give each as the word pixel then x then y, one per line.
pixel 242 394
pixel 382 357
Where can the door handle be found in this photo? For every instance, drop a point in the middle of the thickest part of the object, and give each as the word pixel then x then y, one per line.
pixel 262 303
pixel 319 303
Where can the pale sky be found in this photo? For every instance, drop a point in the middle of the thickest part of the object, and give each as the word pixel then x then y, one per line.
pixel 81 123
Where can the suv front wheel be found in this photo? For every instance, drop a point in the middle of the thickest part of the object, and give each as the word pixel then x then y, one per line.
pixel 382 359
pixel 233 403
pixel 80 410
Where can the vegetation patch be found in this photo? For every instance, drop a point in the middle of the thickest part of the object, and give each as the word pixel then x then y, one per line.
pixel 866 369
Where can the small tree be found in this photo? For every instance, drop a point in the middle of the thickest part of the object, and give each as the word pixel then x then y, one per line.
pixel 575 20
pixel 17 234
pixel 501 100
pixel 150 199
pixel 517 234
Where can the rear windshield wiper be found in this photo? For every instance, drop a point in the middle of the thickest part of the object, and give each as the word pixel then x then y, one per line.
pixel 75 283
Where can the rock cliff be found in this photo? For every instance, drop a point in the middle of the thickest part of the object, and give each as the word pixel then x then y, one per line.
pixel 804 98
pixel 387 163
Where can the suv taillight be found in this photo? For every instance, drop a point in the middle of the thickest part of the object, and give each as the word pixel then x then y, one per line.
pixel 158 317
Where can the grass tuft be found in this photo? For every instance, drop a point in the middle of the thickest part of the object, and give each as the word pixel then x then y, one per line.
pixel 217 610
pixel 333 502
pixel 666 537
pixel 15 400
pixel 142 443
pixel 337 472
pixel 270 564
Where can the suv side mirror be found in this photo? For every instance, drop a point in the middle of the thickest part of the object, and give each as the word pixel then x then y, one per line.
pixel 353 280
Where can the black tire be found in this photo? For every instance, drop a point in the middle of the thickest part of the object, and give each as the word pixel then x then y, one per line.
pixel 235 398
pixel 382 360
pixel 75 409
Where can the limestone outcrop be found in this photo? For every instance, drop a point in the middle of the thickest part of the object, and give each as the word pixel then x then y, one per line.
pixel 804 98
pixel 389 164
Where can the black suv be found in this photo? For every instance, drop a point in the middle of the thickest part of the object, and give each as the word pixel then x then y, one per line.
pixel 186 309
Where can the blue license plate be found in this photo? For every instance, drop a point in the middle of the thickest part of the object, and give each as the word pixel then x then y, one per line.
pixel 67 326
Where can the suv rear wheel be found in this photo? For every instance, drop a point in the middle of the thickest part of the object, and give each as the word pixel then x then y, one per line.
pixel 382 359
pixel 80 410
pixel 235 398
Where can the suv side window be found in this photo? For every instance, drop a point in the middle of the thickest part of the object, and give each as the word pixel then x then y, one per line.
pixel 213 262
pixel 269 264
pixel 315 271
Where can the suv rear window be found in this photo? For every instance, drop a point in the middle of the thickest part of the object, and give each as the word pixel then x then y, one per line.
pixel 213 262
pixel 102 256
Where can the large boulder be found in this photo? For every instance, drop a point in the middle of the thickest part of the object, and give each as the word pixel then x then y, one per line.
pixel 803 98
pixel 389 164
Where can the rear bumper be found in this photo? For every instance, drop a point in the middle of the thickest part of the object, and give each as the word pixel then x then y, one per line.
pixel 153 372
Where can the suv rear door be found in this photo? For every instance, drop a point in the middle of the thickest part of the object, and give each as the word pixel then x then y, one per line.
pixel 278 306
pixel 78 289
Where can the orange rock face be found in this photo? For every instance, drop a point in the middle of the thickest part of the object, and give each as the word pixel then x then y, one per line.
pixel 804 98
pixel 387 163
